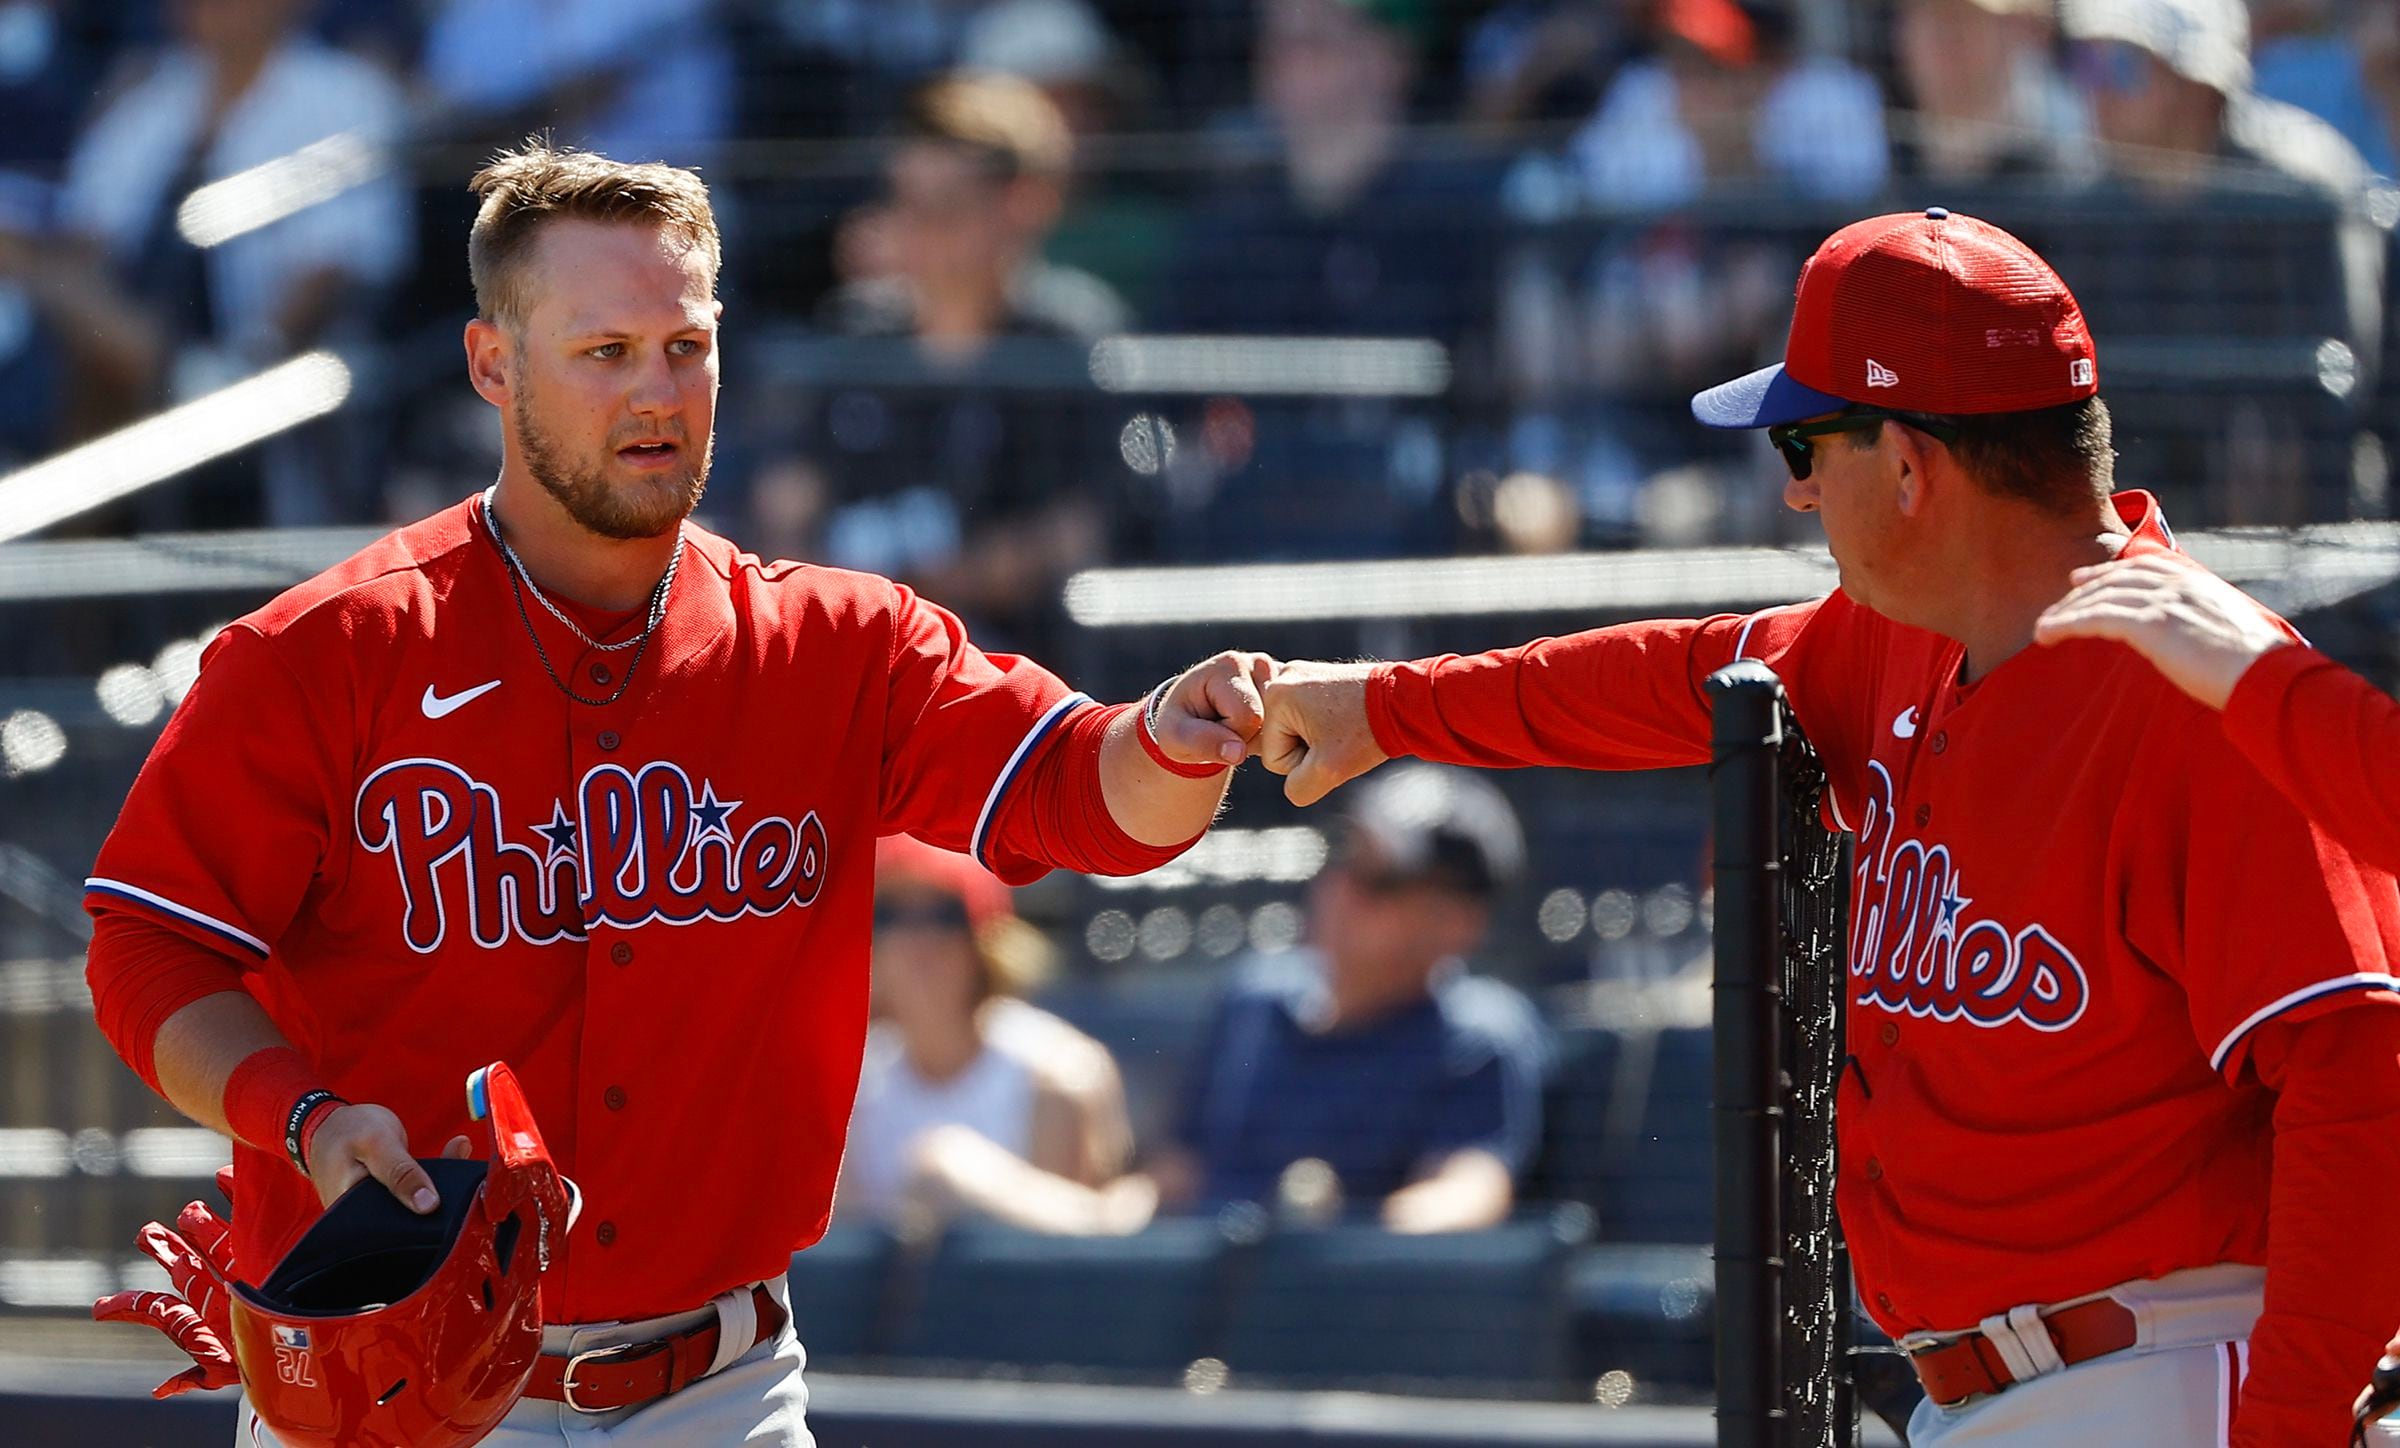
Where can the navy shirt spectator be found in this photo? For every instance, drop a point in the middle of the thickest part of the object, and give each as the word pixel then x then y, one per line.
pixel 1345 230
pixel 1405 1084
pixel 1456 1070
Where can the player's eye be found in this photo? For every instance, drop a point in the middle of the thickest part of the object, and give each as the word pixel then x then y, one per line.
pixel 688 346
pixel 606 351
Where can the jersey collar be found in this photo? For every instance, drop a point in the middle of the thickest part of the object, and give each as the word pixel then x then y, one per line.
pixel 2139 511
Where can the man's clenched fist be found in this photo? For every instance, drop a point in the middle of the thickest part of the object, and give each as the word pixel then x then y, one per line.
pixel 1316 732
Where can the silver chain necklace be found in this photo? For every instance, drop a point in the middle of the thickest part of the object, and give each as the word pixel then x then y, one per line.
pixel 519 581
pixel 658 595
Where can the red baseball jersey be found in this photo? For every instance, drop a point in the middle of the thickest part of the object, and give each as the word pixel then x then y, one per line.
pixel 2330 740
pixel 656 910
pixel 2074 902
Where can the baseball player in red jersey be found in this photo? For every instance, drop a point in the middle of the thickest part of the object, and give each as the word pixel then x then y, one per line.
pixel 2123 1027
pixel 2327 737
pixel 557 778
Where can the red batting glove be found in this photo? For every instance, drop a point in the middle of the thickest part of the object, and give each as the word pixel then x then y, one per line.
pixel 197 1315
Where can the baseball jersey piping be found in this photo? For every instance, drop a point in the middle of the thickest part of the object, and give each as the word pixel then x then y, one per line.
pixel 2363 980
pixel 96 885
pixel 1008 772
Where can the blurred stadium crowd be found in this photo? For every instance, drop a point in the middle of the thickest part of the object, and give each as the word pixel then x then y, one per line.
pixel 1021 288
pixel 938 210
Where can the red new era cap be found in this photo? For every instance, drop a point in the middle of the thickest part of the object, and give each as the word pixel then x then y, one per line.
pixel 1919 312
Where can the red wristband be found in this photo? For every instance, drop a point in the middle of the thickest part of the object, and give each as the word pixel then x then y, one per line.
pixel 261 1093
pixel 1160 757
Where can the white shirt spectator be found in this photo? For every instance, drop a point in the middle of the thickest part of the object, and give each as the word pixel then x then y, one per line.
pixel 120 171
pixel 896 1107
pixel 675 95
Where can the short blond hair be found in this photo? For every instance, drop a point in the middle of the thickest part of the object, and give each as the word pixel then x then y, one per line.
pixel 525 189
pixel 1006 122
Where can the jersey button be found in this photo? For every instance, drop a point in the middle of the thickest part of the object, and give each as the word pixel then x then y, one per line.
pixel 608 739
pixel 1924 815
pixel 621 953
pixel 1884 1301
pixel 600 674
pixel 615 1098
pixel 1891 1034
pixel 1874 1170
pixel 605 1234
pixel 1941 740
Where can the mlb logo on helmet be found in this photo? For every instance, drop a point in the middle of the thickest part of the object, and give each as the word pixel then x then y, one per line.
pixel 1919 311
pixel 291 1337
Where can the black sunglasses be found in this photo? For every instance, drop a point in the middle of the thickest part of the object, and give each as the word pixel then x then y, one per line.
pixel 1793 439
pixel 947 912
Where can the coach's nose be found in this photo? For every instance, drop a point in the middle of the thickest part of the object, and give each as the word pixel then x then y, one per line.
pixel 1800 494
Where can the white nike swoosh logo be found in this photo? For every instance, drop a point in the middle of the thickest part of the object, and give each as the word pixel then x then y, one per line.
pixel 1904 727
pixel 436 706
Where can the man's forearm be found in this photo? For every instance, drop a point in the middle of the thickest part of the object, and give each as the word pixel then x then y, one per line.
pixel 1148 803
pixel 199 1046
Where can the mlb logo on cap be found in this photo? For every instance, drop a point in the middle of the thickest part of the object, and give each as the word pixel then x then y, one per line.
pixel 292 1337
pixel 1919 311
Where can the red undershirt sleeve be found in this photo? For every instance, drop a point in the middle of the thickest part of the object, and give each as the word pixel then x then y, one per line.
pixel 1059 813
pixel 2328 739
pixel 2332 1292
pixel 140 973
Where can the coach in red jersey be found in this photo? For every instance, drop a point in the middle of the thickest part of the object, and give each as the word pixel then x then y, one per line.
pixel 2124 1052
pixel 557 778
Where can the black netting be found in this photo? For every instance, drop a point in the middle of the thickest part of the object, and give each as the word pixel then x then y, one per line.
pixel 1814 903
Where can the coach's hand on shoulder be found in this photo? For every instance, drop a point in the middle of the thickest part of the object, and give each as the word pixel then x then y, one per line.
pixel 361 1140
pixel 2202 632
pixel 1316 732
pixel 1211 711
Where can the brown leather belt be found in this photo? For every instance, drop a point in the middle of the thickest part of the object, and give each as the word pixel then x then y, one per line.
pixel 1970 1367
pixel 605 1379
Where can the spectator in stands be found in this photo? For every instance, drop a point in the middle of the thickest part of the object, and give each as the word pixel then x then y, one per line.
pixel 1116 227
pixel 151 317
pixel 970 1101
pixel 1346 226
pixel 2375 32
pixel 1729 97
pixel 47 76
pixel 962 481
pixel 1534 63
pixel 2170 88
pixel 1348 233
pixel 1372 1063
pixel 636 80
pixel 1986 96
pixel 2302 54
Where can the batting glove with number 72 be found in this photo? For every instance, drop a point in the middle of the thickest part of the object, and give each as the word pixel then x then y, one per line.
pixel 198 1255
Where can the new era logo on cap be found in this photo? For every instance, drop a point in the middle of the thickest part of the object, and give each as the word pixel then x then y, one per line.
pixel 1879 375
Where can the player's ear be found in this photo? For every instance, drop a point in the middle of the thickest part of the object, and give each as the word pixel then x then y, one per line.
pixel 1910 489
pixel 489 350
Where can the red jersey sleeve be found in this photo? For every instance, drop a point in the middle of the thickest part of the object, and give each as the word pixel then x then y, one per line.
pixel 232 814
pixel 962 733
pixel 2328 739
pixel 1630 696
pixel 2228 888
pixel 2337 1085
